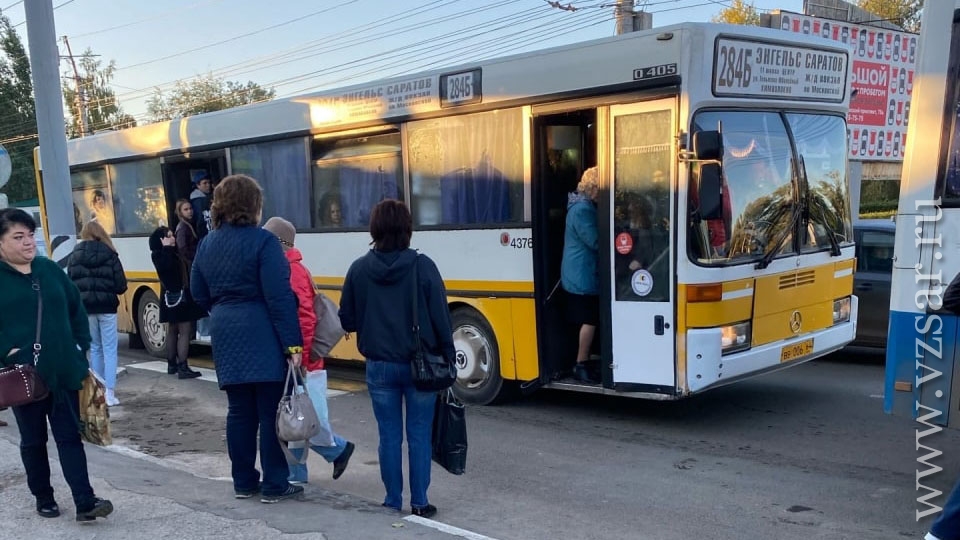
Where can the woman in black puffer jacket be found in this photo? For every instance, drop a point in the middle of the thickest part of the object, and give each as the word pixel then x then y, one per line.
pixel 96 270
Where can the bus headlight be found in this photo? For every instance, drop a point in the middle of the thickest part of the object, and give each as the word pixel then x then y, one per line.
pixel 841 310
pixel 735 337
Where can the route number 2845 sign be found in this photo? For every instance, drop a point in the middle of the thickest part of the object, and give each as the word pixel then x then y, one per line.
pixel 749 68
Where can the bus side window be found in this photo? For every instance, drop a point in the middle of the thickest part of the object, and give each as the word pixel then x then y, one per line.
pixel 281 169
pixel 351 175
pixel 467 170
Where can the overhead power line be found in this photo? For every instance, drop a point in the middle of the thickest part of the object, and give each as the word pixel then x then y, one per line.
pixel 146 19
pixel 411 52
pixel 336 42
pixel 23 22
pixel 241 36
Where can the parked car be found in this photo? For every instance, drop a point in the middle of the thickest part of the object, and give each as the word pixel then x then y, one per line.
pixel 871 280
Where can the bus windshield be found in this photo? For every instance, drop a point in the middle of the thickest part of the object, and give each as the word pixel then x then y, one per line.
pixel 762 206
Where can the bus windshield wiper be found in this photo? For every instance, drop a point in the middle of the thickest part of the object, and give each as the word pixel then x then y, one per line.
pixel 832 236
pixel 769 255
pixel 834 243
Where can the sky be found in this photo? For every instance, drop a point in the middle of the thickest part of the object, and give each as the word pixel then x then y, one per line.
pixel 300 46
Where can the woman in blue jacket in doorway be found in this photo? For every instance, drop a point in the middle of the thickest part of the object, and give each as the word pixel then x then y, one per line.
pixel 241 276
pixel 578 271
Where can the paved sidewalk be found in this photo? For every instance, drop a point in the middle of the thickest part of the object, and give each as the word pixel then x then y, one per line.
pixel 155 500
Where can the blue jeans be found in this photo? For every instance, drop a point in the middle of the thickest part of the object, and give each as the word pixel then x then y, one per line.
pixel 103 347
pixel 251 408
pixel 298 471
pixel 390 385
pixel 947 526
pixel 63 413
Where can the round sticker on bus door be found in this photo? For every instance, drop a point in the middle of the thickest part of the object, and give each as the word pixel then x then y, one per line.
pixel 624 243
pixel 642 282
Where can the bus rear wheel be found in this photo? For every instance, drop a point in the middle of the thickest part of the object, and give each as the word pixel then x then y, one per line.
pixel 153 333
pixel 477 359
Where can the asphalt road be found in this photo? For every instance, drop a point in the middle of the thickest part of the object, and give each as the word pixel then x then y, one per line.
pixel 802 454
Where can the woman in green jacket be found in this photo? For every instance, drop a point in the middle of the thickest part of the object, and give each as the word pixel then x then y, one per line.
pixel 25 279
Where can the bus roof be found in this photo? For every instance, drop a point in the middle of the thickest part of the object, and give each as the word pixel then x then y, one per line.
pixel 560 72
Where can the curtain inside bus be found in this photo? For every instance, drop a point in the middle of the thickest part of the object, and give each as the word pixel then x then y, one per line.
pixel 468 170
pixel 281 168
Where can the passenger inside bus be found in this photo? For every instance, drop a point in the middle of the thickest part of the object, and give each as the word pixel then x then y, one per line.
pixel 638 226
pixel 331 214
pixel 578 271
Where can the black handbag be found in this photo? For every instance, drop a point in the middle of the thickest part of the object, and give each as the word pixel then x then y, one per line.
pixel 21 384
pixel 449 439
pixel 431 372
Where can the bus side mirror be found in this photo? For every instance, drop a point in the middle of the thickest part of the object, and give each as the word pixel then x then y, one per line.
pixel 708 145
pixel 710 191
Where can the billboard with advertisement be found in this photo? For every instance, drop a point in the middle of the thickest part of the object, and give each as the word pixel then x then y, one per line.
pixel 882 77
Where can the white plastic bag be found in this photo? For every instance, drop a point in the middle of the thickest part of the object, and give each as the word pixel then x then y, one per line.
pixel 316 382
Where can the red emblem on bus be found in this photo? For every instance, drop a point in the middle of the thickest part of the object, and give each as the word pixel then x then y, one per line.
pixel 624 243
pixel 504 239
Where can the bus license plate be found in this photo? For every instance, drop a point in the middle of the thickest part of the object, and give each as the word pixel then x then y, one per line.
pixel 797 350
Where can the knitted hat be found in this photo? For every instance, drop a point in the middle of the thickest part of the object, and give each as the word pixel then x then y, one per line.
pixel 282 229
pixel 199 176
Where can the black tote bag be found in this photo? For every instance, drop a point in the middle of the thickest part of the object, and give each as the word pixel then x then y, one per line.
pixel 450 433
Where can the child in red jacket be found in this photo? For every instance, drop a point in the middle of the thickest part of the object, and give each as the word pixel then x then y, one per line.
pixel 302 285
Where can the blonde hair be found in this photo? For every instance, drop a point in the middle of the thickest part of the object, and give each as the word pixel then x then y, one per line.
pixel 179 206
pixel 589 182
pixel 94 231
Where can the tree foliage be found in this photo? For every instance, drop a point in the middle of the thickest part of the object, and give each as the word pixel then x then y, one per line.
pixel 905 13
pixel 102 108
pixel 204 94
pixel 739 12
pixel 18 120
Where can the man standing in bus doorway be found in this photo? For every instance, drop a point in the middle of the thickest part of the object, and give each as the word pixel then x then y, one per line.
pixel 578 271
pixel 200 200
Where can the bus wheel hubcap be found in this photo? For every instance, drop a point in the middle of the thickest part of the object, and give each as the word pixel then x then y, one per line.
pixel 473 356
pixel 152 326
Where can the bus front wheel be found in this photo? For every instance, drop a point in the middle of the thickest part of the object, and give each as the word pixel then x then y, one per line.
pixel 153 333
pixel 477 359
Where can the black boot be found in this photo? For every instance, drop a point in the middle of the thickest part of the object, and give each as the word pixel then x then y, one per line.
pixel 184 372
pixel 99 508
pixel 172 366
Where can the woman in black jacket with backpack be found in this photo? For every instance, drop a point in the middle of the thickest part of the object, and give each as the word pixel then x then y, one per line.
pixel 96 270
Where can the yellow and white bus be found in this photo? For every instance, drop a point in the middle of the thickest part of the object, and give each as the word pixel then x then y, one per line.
pixel 725 239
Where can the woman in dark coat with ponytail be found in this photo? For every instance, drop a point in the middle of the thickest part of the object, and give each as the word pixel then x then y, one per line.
pixel 177 307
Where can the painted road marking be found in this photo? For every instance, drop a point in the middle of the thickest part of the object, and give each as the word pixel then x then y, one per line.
pixel 449 529
pixel 174 464
pixel 208 375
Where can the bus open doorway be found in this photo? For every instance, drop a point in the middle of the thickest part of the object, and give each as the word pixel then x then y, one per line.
pixel 565 146
pixel 179 173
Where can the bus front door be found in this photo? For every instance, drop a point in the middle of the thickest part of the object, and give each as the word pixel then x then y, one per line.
pixel 641 246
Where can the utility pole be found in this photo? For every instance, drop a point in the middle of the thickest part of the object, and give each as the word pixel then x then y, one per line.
pixel 44 64
pixel 79 98
pixel 629 20
pixel 624 16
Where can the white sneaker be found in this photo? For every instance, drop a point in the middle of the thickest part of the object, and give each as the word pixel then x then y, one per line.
pixel 112 400
pixel 930 536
